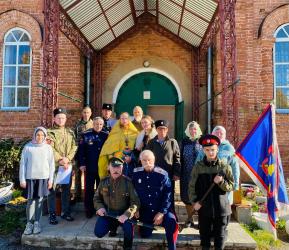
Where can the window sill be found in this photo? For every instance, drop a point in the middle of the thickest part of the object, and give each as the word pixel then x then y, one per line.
pixel 14 109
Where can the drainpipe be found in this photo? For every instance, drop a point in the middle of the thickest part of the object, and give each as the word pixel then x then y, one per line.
pixel 87 98
pixel 209 89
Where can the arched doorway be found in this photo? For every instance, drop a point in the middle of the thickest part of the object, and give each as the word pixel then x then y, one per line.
pixel 157 96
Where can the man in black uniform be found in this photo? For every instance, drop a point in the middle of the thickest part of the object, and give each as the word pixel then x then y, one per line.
pixel 167 153
pixel 89 149
pixel 82 125
pixel 106 115
pixel 214 212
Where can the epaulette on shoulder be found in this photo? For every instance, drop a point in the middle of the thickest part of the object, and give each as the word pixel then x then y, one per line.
pixel 104 132
pixel 87 131
pixel 160 171
pixel 105 179
pixel 138 169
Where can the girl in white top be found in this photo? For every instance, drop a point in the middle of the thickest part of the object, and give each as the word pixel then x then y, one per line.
pixel 36 175
pixel 146 134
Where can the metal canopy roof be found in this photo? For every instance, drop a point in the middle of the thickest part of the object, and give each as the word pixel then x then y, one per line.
pixel 102 21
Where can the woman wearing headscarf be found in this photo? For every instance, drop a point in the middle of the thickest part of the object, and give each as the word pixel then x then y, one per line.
pixel 121 137
pixel 36 175
pixel 190 149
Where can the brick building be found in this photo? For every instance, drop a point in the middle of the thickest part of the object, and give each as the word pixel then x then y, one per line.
pixel 167 56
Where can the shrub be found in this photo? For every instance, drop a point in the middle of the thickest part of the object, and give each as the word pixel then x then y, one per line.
pixel 10 153
pixel 11 221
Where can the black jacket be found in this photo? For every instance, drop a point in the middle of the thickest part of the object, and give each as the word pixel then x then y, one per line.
pixel 90 145
pixel 203 174
pixel 167 155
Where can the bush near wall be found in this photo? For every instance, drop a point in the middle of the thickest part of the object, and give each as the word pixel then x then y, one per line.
pixel 10 153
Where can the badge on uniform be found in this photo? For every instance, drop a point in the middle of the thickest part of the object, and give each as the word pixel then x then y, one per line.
pixel 139 180
pixel 90 142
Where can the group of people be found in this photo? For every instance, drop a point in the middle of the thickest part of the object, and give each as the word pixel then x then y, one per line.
pixel 134 165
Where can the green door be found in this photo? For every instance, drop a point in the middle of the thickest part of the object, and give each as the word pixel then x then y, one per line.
pixel 146 89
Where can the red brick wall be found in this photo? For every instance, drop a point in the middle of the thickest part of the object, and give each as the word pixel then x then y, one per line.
pixel 255 67
pixel 28 15
pixel 71 78
pixel 150 43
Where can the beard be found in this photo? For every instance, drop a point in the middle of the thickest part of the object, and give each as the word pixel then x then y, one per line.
pixel 138 118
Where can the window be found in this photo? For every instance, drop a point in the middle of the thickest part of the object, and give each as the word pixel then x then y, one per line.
pixel 16 78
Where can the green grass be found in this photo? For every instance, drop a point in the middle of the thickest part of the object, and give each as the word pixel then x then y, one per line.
pixel 264 239
pixel 281 225
pixel 11 221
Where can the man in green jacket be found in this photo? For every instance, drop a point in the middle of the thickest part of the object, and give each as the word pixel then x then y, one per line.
pixel 215 210
pixel 115 201
pixel 62 140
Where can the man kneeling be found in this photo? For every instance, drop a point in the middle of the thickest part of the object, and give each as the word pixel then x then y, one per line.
pixel 115 202
pixel 154 189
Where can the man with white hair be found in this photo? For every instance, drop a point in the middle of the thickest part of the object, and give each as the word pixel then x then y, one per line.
pixel 153 187
pixel 137 114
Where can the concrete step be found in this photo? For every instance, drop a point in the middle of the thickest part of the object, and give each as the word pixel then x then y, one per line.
pixel 79 235
pixel 180 209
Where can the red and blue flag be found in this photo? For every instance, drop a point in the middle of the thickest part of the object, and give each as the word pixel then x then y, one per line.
pixel 260 158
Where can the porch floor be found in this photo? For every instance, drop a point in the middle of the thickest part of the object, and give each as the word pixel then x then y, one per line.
pixel 79 235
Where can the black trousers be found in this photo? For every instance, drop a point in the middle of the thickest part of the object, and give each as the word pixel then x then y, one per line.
pixel 213 227
pixel 90 180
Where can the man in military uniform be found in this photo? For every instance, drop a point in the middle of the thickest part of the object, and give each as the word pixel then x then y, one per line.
pixel 115 202
pixel 64 147
pixel 167 153
pixel 153 187
pixel 82 125
pixel 106 115
pixel 214 212
pixel 89 149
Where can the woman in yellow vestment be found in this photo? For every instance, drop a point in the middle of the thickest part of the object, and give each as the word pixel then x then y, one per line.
pixel 123 135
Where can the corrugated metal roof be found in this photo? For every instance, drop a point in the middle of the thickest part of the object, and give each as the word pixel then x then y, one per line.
pixel 103 40
pixel 168 24
pixel 123 26
pixel 118 12
pixel 170 10
pixel 138 5
pixel 101 21
pixel 93 29
pixel 66 3
pixel 151 4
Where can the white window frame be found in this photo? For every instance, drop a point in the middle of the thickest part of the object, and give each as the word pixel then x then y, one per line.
pixel 18 43
pixel 279 110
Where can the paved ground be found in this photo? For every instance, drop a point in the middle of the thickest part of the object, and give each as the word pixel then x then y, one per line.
pixel 79 235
